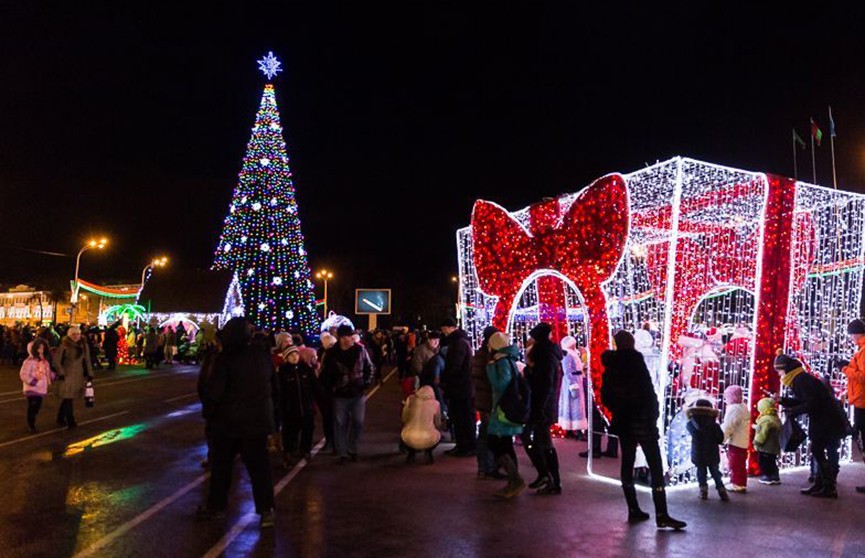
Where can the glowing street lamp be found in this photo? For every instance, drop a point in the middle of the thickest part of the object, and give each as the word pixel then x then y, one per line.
pixel 156 262
pixel 324 275
pixel 98 244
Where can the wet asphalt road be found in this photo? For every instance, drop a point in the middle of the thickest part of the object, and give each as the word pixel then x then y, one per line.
pixel 127 480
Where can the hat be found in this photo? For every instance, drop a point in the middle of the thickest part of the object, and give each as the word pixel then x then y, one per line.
pixel 448 322
pixel 765 405
pixel 327 340
pixel 541 332
pixel 282 339
pixel 498 341
pixel 786 363
pixel 624 340
pixel 344 331
pixel 569 342
pixel 701 407
pixel 291 349
pixel 488 332
pixel 856 326
pixel 733 394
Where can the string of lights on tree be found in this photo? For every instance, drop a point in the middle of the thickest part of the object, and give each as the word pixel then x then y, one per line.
pixel 262 239
pixel 726 266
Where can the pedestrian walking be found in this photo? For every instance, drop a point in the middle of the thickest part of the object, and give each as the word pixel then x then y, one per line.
pixel 297 388
pixel 456 379
pixel 239 402
pixel 36 376
pixel 346 373
pixel 628 393
pixel 487 466
pixel 109 345
pixel 501 371
pixel 73 368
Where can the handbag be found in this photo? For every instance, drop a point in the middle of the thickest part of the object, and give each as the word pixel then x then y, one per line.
pixel 89 394
pixel 792 435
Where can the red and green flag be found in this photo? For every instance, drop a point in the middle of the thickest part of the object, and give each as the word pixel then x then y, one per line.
pixel 816 133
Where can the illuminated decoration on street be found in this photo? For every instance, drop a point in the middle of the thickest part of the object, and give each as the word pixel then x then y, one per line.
pixel 333 321
pixel 270 66
pixel 726 265
pixel 106 292
pixel 262 238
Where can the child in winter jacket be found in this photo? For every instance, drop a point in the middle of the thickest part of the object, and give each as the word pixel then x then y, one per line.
pixel 736 427
pixel 767 440
pixel 706 436
pixel 36 376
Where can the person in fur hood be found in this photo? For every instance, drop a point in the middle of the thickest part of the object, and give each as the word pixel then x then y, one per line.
pixel 706 437
pixel 73 366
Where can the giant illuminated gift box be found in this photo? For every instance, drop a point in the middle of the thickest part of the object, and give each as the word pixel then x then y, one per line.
pixel 726 266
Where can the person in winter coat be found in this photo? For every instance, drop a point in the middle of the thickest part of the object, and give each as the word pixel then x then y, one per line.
pixel 854 370
pixel 36 377
pixel 627 391
pixel 150 348
pixel 456 379
pixel 826 424
pixel 421 419
pixel 346 371
pixel 238 397
pixel 109 345
pixel 543 373
pixel 73 367
pixel 767 440
pixel 500 432
pixel 419 357
pixel 205 373
pixel 297 389
pixel 572 400
pixel 706 436
pixel 737 430
pixel 487 467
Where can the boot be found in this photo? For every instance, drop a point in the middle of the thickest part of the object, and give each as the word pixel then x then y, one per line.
pixel 612 447
pixel 555 484
pixel 536 456
pixel 662 518
pixel 635 514
pixel 516 484
pixel 816 487
pixel 722 494
pixel 704 493
pixel 829 490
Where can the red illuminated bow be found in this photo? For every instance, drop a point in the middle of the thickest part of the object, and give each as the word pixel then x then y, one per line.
pixel 584 246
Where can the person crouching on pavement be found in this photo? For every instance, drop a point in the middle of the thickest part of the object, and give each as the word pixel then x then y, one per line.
pixel 36 375
pixel 421 418
pixel 767 440
pixel 706 437
pixel 297 387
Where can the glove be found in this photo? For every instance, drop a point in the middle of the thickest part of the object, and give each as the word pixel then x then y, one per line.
pixel 34 381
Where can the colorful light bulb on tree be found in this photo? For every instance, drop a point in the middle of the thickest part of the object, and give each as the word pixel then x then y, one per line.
pixel 261 240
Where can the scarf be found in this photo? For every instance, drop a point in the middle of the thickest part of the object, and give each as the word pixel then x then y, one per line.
pixel 787 379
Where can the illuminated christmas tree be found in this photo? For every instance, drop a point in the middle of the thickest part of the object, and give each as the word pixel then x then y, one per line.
pixel 261 240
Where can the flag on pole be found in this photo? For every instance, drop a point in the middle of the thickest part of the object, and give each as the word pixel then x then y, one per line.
pixel 798 139
pixel 816 133
pixel 831 125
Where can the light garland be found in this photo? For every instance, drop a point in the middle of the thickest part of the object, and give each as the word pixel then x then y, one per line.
pixel 704 247
pixel 262 239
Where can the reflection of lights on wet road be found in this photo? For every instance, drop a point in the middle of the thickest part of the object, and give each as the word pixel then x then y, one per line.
pixel 182 412
pixel 103 439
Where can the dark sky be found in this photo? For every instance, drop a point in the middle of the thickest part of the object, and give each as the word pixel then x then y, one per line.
pixel 131 119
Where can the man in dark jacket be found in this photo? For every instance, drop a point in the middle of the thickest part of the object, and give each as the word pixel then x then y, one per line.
pixel 544 377
pixel 456 379
pixel 484 404
pixel 238 398
pixel 109 345
pixel 346 371
pixel 826 424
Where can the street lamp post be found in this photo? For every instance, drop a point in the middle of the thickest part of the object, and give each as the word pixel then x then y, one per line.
pixel 157 262
pixel 455 279
pixel 99 244
pixel 325 275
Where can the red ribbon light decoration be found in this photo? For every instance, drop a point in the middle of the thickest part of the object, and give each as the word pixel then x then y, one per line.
pixel 584 246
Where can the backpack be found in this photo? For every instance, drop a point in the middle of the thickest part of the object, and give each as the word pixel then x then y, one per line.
pixel 515 402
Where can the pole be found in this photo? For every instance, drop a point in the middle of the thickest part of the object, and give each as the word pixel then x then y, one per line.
pixel 832 145
pixel 813 158
pixel 795 165
pixel 74 299
pixel 143 273
pixel 325 298
pixel 373 322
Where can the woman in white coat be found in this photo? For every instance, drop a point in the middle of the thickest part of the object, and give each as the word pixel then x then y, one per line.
pixel 572 398
pixel 421 419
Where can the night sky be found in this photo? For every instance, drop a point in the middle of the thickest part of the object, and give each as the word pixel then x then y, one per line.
pixel 132 120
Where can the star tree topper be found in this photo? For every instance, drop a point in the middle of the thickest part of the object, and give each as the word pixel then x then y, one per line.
pixel 269 65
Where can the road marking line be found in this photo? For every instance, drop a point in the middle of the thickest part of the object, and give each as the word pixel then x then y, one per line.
pixel 248 518
pixel 179 397
pixel 140 518
pixel 47 432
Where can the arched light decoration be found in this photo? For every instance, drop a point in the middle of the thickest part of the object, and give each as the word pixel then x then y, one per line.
pixel 273 245
pixel 726 265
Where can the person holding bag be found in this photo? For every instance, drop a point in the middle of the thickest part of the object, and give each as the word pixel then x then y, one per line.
pixel 72 363
pixel 36 375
